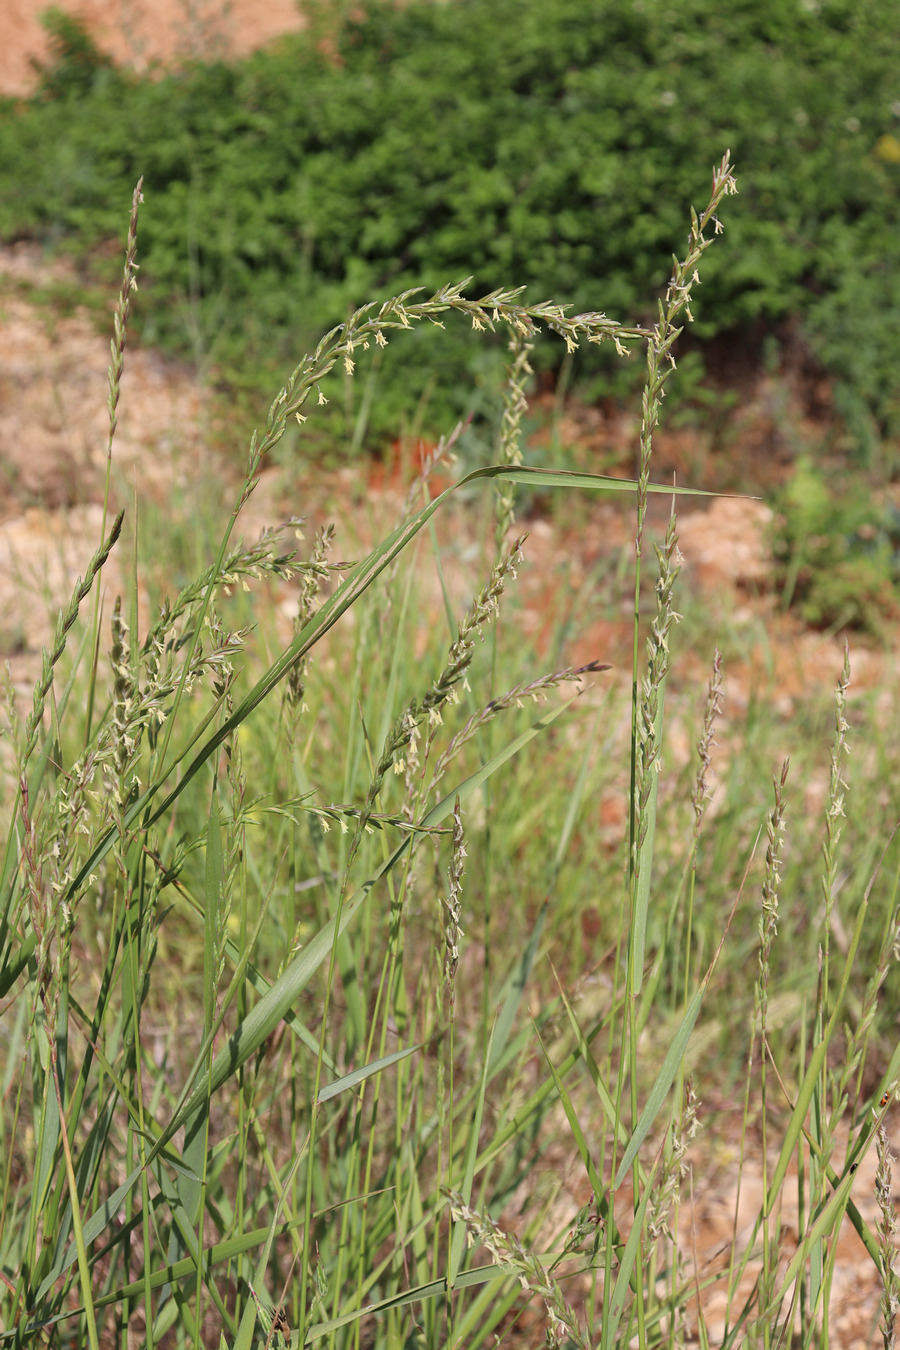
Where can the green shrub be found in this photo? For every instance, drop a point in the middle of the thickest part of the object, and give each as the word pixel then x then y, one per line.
pixel 546 139
pixel 77 66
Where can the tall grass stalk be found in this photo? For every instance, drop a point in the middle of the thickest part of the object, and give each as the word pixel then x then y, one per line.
pixel 283 1061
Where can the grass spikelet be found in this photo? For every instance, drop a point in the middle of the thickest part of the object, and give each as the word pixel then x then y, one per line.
pixel 673 1170
pixel 703 790
pixel 313 576
pixel 120 319
pixel 401 750
pixel 453 932
pixel 653 684
pixel 506 1249
pixel 768 930
pixel 834 811
pixel 125 734
pixel 886 1227
pixel 515 405
pixel 530 690
pixel 660 361
pixel 768 921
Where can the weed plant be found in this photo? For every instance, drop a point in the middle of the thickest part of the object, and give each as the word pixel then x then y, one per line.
pixel 267 953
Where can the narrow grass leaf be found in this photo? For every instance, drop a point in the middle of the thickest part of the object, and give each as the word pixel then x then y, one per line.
pixel 574 1124
pixel 244 1338
pixel 816 1064
pixel 596 1077
pixel 467 1279
pixel 352 1080
pixel 187 1240
pixel 824 1225
pixel 459 1238
pixel 576 798
pixel 664 1079
pixel 674 1055
pixel 91 1229
pixel 261 985
pixel 626 1269
pixel 47 1128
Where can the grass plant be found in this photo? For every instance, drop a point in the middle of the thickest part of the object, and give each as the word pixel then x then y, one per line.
pixel 304 1031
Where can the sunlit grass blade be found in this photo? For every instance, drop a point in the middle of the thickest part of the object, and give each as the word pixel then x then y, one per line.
pixel 587 1058
pixel 458 1240
pixel 466 1279
pixel 823 1226
pixel 662 1084
pixel 367 1071
pixel 578 1135
pixel 817 1059
pixel 622 1287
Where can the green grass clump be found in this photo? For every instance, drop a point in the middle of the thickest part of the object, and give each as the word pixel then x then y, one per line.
pixel 284 1032
pixel 352 163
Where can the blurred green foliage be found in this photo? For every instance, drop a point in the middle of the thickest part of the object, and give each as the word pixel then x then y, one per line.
pixel 77 65
pixel 837 552
pixel 541 142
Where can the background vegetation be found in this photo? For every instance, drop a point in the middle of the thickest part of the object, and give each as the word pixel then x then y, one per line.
pixel 550 140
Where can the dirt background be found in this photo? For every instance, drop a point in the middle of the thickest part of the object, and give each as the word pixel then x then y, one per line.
pixel 53 435
pixel 142 33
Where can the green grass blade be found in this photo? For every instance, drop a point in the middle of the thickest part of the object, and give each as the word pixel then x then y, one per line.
pixel 244 1338
pixel 816 1064
pixel 458 1242
pixel 578 1135
pixel 284 993
pixel 586 1055
pixel 467 1279
pixel 91 1230
pixel 664 1079
pixel 352 1080
pixel 626 1269
pixel 826 1223
pixel 674 1057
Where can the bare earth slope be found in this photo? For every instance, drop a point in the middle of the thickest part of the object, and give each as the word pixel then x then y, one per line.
pixel 141 33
